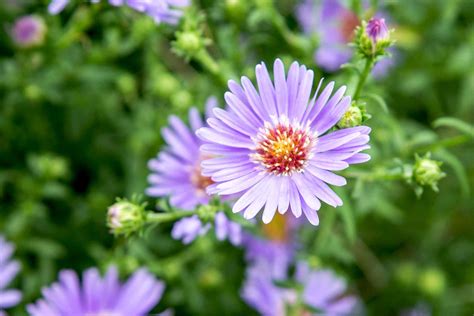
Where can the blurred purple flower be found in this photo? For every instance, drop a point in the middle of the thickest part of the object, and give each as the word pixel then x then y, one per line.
pixel 272 149
pixel 334 23
pixel 324 290
pixel 176 172
pixel 8 270
pixel 166 11
pixel 29 31
pixel 99 296
pixel 276 248
pixel 321 290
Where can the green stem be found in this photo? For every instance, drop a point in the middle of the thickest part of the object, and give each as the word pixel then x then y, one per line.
pixel 211 66
pixel 447 142
pixel 369 62
pixel 299 44
pixel 158 218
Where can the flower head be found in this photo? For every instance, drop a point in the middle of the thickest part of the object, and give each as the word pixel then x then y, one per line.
pixel 377 29
pixel 8 270
pixel 29 31
pixel 166 11
pixel 427 171
pixel 99 296
pixel 124 217
pixel 177 173
pixel 321 290
pixel 272 147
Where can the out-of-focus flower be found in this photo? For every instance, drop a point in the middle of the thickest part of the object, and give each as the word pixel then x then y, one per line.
pixel 377 29
pixel 29 31
pixel 99 296
pixel 125 218
pixel 427 171
pixel 271 148
pixel 176 173
pixel 8 270
pixel 324 290
pixel 276 247
pixel 320 290
pixel 334 24
pixel 166 11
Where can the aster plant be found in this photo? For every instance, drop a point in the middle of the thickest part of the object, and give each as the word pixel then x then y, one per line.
pixel 162 11
pixel 273 148
pixel 8 270
pixel 98 295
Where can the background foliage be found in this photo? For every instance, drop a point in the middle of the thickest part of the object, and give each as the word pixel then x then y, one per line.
pixel 81 114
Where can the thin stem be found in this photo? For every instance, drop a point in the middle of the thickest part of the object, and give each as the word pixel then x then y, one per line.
pixel 369 62
pixel 211 66
pixel 153 217
pixel 447 142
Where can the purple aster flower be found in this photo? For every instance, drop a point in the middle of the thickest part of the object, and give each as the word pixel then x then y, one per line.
pixel 29 31
pixel 176 173
pixel 335 24
pixel 272 148
pixel 167 11
pixel 324 291
pixel 321 290
pixel 99 296
pixel 377 29
pixel 8 270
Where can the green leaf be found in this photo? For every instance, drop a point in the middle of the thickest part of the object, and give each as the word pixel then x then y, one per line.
pixel 458 169
pixel 347 214
pixel 378 101
pixel 455 123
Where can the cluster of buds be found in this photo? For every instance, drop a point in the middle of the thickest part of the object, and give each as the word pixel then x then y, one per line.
pixel 125 217
pixel 373 38
pixel 190 40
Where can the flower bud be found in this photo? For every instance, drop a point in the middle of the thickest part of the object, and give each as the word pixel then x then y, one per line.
pixel 432 281
pixel 188 43
pixel 352 117
pixel 29 31
pixel 377 30
pixel 125 218
pixel 427 172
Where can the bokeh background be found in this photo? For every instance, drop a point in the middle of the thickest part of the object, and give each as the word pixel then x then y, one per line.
pixel 81 113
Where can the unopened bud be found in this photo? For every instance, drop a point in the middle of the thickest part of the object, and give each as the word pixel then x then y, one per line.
pixel 352 117
pixel 427 172
pixel 125 218
pixel 377 30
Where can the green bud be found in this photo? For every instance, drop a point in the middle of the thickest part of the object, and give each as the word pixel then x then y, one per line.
pixel 352 117
pixel 427 172
pixel 236 9
pixel 165 85
pixel 48 166
pixel 432 282
pixel 406 273
pixel 207 213
pixel 125 218
pixel 188 43
pixel 126 84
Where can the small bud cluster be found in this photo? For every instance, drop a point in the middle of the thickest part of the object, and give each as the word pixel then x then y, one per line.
pixel 427 172
pixel 355 115
pixel 190 40
pixel 373 38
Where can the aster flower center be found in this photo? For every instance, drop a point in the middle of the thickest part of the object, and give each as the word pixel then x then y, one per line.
pixel 199 181
pixel 283 148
